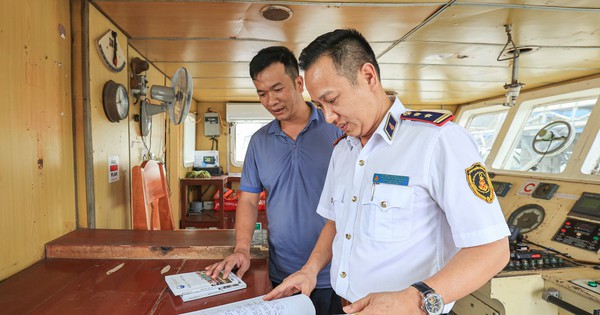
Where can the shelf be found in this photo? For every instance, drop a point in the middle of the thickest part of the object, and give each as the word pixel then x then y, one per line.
pixel 210 218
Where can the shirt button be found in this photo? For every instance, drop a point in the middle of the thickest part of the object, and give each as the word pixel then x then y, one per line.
pixel 361 162
pixel 384 204
pixel 354 198
pixel 348 236
pixel 343 274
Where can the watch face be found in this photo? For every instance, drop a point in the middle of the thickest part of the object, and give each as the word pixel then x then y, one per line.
pixel 434 304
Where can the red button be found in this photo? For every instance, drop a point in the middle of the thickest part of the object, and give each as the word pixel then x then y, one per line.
pixel 563 230
pixel 568 223
pixel 536 255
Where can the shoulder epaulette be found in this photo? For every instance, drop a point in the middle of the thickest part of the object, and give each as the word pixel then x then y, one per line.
pixel 435 118
pixel 339 139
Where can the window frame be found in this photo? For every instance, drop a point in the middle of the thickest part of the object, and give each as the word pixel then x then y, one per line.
pixel 237 113
pixel 468 115
pixel 516 126
pixel 233 139
pixel 575 88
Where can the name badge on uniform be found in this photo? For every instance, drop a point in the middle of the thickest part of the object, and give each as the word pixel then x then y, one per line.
pixel 390 179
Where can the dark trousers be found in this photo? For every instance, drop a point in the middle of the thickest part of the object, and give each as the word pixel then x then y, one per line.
pixel 326 302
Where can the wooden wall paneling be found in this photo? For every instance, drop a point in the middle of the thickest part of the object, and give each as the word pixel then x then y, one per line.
pixel 138 152
pixel 175 168
pixel 112 200
pixel 155 142
pixel 204 143
pixel 37 176
pixel 165 142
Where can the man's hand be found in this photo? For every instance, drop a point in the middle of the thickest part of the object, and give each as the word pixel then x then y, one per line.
pixel 300 281
pixel 239 259
pixel 405 302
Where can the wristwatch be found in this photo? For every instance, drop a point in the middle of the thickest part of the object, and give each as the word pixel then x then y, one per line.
pixel 433 303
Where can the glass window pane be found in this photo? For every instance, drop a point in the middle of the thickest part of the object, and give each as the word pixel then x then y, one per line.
pixel 241 134
pixel 591 165
pixel 484 128
pixel 550 152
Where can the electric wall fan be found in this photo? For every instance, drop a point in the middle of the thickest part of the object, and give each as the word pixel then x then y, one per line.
pixel 175 100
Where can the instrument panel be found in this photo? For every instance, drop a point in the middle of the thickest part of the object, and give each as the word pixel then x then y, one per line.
pixel 576 226
pixel 580 234
pixel 579 229
pixel 527 218
pixel 587 206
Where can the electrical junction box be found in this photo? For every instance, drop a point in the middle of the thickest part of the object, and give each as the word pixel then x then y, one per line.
pixel 212 125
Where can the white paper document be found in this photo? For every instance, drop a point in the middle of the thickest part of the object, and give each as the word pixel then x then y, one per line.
pixel 299 304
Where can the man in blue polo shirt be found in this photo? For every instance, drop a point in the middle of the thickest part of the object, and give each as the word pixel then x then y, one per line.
pixel 288 158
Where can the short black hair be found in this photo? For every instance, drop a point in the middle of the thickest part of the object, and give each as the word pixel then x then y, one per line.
pixel 347 48
pixel 270 55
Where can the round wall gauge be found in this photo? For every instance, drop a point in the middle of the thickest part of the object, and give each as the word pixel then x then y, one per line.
pixel 115 101
pixel 527 218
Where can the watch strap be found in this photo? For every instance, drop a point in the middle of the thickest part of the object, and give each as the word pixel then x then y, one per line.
pixel 423 288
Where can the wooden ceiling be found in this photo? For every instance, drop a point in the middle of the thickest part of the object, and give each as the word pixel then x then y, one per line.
pixel 430 52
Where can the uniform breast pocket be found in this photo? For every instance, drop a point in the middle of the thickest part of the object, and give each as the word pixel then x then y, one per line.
pixel 337 200
pixel 388 216
pixel 337 204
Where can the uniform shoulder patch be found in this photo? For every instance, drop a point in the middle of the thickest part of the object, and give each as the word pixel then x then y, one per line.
pixel 434 118
pixel 339 139
pixel 480 182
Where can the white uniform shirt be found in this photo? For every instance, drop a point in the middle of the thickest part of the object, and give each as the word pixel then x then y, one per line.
pixel 392 235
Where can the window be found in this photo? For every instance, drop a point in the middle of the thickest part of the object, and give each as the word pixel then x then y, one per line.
pixel 189 139
pixel 241 132
pixel 591 165
pixel 484 128
pixel 244 119
pixel 548 156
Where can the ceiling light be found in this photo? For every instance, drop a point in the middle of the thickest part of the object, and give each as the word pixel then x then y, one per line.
pixel 276 13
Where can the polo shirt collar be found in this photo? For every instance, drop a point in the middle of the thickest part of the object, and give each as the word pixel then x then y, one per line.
pixel 314 116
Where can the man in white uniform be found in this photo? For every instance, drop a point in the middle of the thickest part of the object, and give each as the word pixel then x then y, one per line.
pixel 413 222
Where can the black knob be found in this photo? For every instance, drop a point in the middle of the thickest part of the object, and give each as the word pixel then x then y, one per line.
pixel 547 261
pixel 511 265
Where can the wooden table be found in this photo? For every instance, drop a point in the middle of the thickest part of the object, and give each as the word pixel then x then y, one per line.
pixel 99 286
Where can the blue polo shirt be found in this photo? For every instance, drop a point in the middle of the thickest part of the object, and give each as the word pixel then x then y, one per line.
pixel 292 173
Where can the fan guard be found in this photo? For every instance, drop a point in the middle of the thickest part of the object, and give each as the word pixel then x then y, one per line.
pixel 176 100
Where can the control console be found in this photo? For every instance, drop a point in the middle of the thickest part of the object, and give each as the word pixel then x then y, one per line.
pixel 524 258
pixel 579 233
pixel 590 284
pixel 535 260
pixel 581 229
